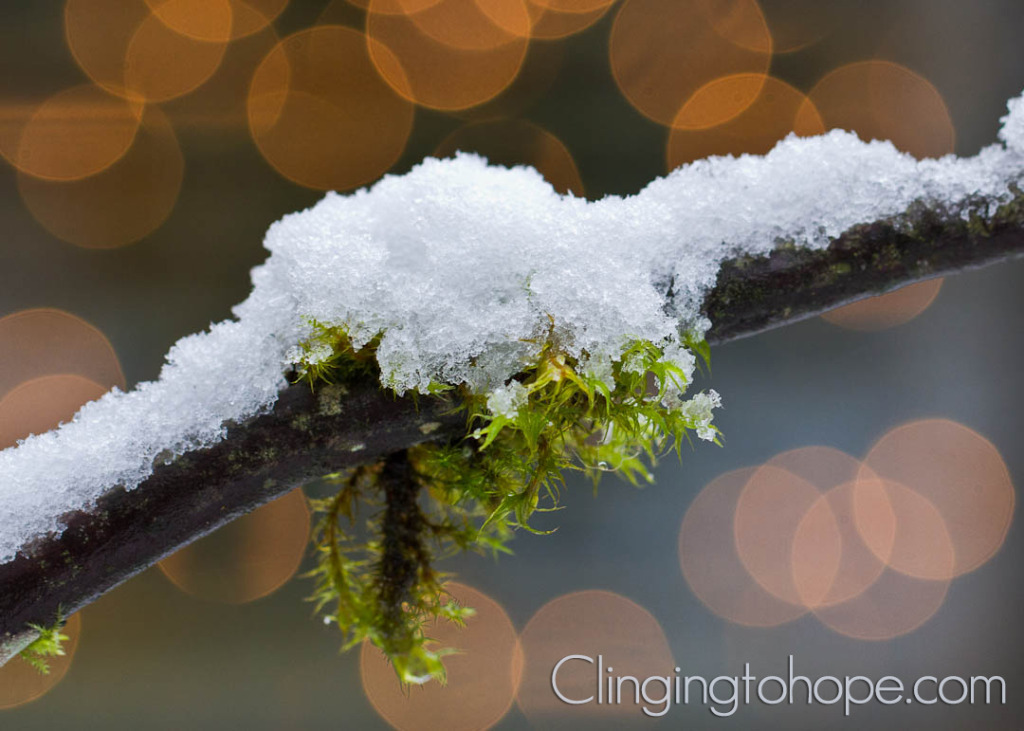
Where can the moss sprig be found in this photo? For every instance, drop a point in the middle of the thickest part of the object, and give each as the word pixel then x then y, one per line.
pixel 49 644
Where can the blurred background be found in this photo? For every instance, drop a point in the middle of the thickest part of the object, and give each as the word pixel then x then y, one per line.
pixel 860 515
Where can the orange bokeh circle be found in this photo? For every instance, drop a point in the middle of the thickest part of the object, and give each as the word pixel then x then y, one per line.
pixel 45 341
pixel 578 7
pixel 830 562
pixel 220 105
pixel 321 115
pixel 482 677
pixel 122 46
pixel 387 7
pixel 720 119
pixel 474 25
pixel 217 21
pixel 768 514
pixel 550 24
pixel 20 683
pixel 593 622
pixel 663 51
pixel 962 475
pixel 438 75
pixel 513 142
pixel 42 403
pixel 246 559
pixel 886 310
pixel 202 20
pixel 798 24
pixel 122 204
pixel 886 101
pixel 73 134
pixel 711 565
pixel 920 546
pixel 894 605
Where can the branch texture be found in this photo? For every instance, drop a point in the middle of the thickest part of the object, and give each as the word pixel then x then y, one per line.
pixel 308 435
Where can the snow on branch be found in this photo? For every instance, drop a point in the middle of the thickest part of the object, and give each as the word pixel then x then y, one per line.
pixel 453 270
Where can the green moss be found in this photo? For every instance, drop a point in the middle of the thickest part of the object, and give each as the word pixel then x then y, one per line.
pixel 375 577
pixel 49 643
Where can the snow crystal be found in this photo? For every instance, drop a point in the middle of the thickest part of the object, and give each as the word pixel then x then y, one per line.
pixel 699 409
pixel 507 400
pixel 466 268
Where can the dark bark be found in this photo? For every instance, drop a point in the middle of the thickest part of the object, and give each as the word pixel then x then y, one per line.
pixel 307 435
pixel 754 294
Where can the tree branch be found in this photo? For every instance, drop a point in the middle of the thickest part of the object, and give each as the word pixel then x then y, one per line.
pixel 309 435
pixel 754 294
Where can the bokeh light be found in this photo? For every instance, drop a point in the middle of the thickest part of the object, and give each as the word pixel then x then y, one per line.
pixel 551 24
pixel 20 683
pixel 517 142
pixel 443 76
pixel 824 467
pixel 769 512
pixel 816 529
pixel 962 474
pixel 663 51
pixel 474 25
pixel 591 623
pixel 886 310
pixel 712 566
pixel 73 134
pixel 719 101
pixel 881 100
pixel 121 205
pixel 920 546
pixel 798 24
pixel 217 21
pixel 391 7
pixel 40 404
pixel 246 559
pixel 122 46
pixel 720 119
pixel 574 6
pixel 894 605
pixel 831 563
pixel 482 678
pixel 45 341
pixel 816 552
pixel 221 104
pixel 539 72
pixel 321 115
pixel 203 20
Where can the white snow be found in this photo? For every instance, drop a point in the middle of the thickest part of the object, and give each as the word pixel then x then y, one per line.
pixel 507 400
pixel 463 267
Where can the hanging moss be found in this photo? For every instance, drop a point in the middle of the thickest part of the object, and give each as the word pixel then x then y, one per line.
pixel 380 535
